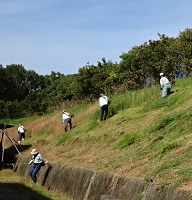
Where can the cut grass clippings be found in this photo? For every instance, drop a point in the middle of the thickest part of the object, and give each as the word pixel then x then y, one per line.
pixel 145 136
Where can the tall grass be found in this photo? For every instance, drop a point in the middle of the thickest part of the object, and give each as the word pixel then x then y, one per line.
pixel 162 138
pixel 144 135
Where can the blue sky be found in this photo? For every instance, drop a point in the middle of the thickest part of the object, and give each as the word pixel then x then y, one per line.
pixel 63 36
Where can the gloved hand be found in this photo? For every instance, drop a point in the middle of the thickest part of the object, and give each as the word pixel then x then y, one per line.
pixel 46 162
pixel 30 162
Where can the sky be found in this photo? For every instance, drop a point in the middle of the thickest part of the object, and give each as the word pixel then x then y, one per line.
pixel 65 35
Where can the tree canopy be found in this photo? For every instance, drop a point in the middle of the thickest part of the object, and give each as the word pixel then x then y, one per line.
pixel 24 92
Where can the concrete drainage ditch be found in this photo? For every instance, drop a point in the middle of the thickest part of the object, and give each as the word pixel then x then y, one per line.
pixel 84 184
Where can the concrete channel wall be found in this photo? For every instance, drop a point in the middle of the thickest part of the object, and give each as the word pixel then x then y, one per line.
pixel 84 184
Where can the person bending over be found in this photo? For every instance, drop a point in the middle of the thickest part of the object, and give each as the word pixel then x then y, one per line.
pixel 66 120
pixel 165 85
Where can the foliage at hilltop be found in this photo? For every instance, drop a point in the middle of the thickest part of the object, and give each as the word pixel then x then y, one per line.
pixel 25 93
pixel 143 137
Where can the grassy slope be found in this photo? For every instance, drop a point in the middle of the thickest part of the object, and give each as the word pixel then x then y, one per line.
pixel 143 137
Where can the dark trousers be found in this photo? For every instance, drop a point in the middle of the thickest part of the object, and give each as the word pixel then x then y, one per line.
pixel 34 170
pixel 21 135
pixel 66 122
pixel 104 112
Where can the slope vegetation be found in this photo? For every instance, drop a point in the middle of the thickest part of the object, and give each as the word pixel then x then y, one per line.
pixel 145 136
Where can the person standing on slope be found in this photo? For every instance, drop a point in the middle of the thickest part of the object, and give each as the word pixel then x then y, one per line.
pixel 104 103
pixel 165 85
pixel 21 133
pixel 66 120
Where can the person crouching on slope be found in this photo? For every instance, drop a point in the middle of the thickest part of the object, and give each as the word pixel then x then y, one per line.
pixel 165 85
pixel 37 161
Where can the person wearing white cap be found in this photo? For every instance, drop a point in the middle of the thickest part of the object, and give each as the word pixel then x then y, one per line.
pixel 104 103
pixel 165 85
pixel 66 120
pixel 37 161
pixel 21 133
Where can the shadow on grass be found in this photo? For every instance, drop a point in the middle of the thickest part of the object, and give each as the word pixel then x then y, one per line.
pixel 16 191
pixel 8 156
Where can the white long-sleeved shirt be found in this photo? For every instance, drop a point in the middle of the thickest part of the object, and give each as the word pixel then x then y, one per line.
pixel 21 129
pixel 65 115
pixel 103 100
pixel 163 81
pixel 37 159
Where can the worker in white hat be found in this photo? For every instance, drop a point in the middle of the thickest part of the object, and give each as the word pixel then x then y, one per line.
pixel 66 117
pixel 103 103
pixel 37 161
pixel 165 85
pixel 21 133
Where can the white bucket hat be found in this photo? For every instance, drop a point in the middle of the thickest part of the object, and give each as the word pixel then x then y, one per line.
pixel 161 74
pixel 34 151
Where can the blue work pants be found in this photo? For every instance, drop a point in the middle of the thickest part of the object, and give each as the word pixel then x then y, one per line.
pixel 166 89
pixel 34 170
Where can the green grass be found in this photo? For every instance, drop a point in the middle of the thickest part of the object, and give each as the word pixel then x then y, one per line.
pixel 142 137
pixel 63 139
pixel 21 188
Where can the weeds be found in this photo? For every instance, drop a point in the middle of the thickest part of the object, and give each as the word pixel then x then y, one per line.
pixel 128 140
pixel 154 134
pixel 168 166
pixel 63 139
pixel 163 123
